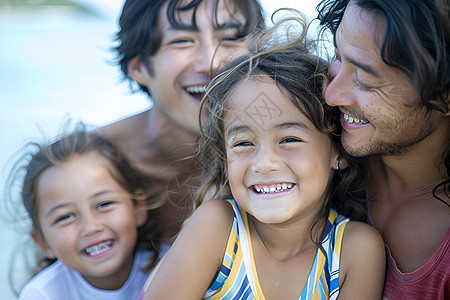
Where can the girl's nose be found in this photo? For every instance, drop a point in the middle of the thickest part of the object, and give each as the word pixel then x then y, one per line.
pixel 91 224
pixel 266 161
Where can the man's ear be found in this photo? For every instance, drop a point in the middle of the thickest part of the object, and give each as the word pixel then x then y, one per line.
pixel 42 244
pixel 140 209
pixel 137 71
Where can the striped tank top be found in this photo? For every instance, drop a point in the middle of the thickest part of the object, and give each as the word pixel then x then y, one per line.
pixel 238 279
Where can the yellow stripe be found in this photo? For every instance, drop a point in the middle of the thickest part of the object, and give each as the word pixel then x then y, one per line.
pixel 259 292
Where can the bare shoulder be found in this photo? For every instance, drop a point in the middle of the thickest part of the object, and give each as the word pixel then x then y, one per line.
pixel 361 235
pixel 213 219
pixel 121 129
pixel 200 246
pixel 361 241
pixel 363 262
pixel 218 212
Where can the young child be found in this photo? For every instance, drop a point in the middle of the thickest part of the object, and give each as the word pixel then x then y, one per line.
pixel 89 216
pixel 275 230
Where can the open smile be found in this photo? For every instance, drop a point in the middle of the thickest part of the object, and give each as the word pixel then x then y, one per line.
pixel 196 92
pixel 273 188
pixel 354 120
pixel 99 248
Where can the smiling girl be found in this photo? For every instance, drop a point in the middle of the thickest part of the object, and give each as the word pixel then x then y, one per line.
pixel 276 227
pixel 89 218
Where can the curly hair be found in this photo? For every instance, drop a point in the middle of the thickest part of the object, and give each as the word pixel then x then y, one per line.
pixel 37 157
pixel 302 76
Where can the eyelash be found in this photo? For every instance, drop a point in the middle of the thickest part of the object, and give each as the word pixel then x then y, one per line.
pixel 180 41
pixel 63 218
pixel 242 144
pixel 104 203
pixel 361 85
pixel 358 83
pixel 286 140
pixel 101 205
pixel 290 140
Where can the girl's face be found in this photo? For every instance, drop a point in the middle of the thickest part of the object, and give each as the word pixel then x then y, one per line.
pixel 87 220
pixel 279 164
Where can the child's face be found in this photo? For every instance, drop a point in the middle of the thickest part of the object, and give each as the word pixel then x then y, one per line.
pixel 84 222
pixel 279 164
pixel 183 64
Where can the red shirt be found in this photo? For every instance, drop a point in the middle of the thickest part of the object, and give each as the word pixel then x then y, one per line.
pixel 429 282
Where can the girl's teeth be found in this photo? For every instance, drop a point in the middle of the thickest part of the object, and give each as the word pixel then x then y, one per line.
pixel 272 189
pixel 100 248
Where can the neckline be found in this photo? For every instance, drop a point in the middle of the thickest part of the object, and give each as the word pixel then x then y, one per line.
pixel 310 282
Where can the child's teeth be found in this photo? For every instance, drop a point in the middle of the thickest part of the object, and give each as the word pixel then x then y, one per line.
pixel 273 189
pixel 99 248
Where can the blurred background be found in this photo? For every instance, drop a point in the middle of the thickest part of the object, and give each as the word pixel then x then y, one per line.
pixel 56 64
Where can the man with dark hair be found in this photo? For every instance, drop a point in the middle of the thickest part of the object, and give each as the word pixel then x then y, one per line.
pixel 390 78
pixel 171 48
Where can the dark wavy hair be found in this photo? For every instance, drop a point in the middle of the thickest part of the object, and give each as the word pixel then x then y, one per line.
pixel 39 156
pixel 302 76
pixel 139 34
pixel 416 42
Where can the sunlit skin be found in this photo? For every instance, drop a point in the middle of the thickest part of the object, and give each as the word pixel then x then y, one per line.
pixel 279 167
pixel 83 209
pixel 381 110
pixel 286 153
pixel 186 60
pixel 158 141
pixel 383 118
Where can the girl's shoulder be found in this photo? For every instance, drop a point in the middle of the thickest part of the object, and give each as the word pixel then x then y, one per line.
pixel 363 262
pixel 359 234
pixel 362 240
pixel 212 219
pixel 50 281
pixel 199 248
pixel 215 209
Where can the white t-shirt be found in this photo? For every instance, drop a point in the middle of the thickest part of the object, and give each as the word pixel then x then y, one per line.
pixel 58 282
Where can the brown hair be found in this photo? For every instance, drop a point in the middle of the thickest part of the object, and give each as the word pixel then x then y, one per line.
pixel 302 76
pixel 417 42
pixel 39 156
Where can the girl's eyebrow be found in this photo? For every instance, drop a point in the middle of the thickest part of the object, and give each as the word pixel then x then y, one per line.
pixel 56 207
pixel 233 130
pixel 299 125
pixel 108 193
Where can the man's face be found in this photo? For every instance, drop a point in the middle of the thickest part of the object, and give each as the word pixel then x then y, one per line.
pixel 381 111
pixel 182 66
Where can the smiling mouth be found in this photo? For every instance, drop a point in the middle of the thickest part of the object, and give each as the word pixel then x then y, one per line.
pixel 98 249
pixel 270 189
pixel 196 91
pixel 353 120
